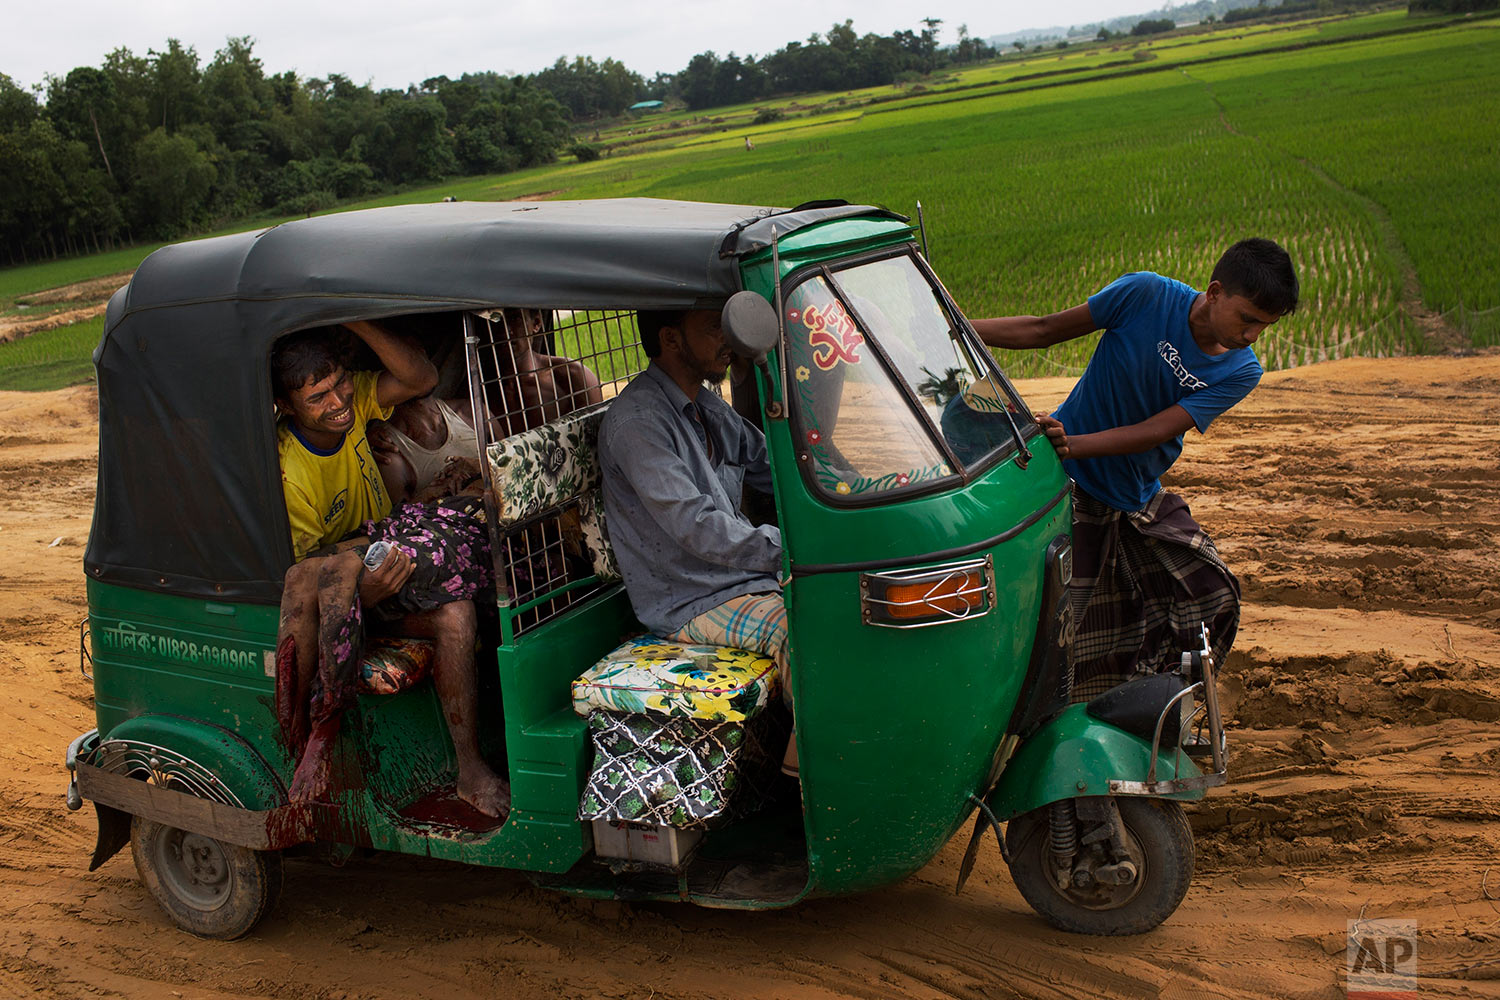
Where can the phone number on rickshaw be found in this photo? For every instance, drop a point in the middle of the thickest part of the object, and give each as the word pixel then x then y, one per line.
pixel 126 636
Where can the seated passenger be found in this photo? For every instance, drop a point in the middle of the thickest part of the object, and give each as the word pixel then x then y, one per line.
pixel 538 387
pixel 335 495
pixel 674 456
pixel 426 448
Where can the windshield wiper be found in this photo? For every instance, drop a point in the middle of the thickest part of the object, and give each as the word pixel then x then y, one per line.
pixel 1023 454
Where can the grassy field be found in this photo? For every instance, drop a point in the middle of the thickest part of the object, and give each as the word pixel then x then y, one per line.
pixel 1360 143
pixel 51 359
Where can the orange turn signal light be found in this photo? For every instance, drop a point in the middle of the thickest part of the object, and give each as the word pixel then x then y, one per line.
pixel 956 594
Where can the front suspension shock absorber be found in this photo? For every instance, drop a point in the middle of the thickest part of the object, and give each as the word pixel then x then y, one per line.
pixel 1062 834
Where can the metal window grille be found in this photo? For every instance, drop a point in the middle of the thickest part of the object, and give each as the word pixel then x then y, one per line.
pixel 534 367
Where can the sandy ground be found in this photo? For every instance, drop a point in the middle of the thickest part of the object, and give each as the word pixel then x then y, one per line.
pixel 1359 501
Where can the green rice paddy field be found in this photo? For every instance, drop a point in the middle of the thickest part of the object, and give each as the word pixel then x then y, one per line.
pixel 1368 146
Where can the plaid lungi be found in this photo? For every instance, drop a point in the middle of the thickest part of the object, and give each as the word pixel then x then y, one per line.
pixel 1143 585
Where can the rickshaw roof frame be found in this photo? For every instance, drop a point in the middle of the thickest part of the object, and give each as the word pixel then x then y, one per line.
pixel 189 496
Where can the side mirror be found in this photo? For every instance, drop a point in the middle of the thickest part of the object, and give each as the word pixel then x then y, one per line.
pixel 750 326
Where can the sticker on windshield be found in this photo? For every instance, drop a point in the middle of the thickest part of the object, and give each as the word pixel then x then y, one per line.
pixel 832 335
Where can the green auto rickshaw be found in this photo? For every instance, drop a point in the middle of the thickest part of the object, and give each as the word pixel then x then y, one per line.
pixel 925 522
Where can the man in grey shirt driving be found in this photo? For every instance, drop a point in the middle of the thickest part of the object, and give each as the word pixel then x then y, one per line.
pixel 675 457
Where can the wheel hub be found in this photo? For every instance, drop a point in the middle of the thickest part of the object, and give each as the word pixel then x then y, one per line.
pixel 194 868
pixel 1098 883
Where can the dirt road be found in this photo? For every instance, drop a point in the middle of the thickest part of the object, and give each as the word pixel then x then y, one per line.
pixel 1359 501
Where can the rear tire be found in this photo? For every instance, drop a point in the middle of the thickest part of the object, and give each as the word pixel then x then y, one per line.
pixel 1155 829
pixel 207 887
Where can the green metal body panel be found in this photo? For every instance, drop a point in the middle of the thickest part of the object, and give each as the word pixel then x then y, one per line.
pixel 897 728
pixel 827 241
pixel 160 655
pixel 1076 754
pixel 547 743
pixel 192 677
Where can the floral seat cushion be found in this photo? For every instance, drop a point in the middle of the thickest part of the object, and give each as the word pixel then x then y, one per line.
pixel 394 664
pixel 594 538
pixel 552 465
pixel 546 466
pixel 659 677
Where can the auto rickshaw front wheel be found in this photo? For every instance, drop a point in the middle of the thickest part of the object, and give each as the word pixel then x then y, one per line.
pixel 1108 890
pixel 207 887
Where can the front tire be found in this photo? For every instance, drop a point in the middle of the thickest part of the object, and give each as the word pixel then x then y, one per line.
pixel 207 887
pixel 1156 832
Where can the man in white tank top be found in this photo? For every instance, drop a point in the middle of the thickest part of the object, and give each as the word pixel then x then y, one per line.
pixel 424 440
pixel 429 444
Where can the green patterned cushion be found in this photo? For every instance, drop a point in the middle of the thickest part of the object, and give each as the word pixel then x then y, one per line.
pixel 545 466
pixel 660 677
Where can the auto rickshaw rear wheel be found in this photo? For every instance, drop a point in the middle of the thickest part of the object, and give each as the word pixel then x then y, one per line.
pixel 1160 843
pixel 207 887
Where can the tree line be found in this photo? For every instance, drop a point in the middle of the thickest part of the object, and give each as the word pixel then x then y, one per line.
pixel 151 147
pixel 161 145
pixel 839 59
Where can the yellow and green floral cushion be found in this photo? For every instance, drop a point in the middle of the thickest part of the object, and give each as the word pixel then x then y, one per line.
pixel 394 664
pixel 660 677
pixel 545 466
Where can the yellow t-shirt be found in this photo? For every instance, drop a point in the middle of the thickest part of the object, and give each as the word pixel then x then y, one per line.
pixel 330 494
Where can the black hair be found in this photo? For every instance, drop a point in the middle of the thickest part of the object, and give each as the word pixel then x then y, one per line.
pixel 306 356
pixel 1261 271
pixel 650 322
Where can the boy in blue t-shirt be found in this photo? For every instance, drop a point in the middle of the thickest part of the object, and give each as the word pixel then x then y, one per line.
pixel 1171 358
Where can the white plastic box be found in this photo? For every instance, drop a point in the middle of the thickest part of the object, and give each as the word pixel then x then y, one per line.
pixel 657 845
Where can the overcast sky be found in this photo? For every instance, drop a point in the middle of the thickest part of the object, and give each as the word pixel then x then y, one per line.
pixel 392 44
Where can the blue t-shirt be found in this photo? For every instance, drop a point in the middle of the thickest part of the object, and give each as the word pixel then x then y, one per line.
pixel 1145 362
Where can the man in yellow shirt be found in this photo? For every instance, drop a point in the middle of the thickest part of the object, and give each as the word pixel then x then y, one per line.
pixel 332 486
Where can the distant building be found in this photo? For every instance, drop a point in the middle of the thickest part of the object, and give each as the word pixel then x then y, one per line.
pixel 641 107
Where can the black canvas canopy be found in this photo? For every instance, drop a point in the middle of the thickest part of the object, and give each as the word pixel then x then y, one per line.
pixel 189 493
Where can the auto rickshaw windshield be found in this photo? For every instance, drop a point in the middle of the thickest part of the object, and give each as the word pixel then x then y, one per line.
pixel 889 393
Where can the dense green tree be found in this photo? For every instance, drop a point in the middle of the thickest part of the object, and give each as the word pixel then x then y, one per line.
pixel 172 180
pixel 18 107
pixel 176 96
pixel 162 144
pixel 696 81
pixel 237 98
pixel 970 49
pixel 1152 26
pixel 589 89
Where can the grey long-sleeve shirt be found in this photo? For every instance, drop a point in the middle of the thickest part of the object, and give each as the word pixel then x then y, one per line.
pixel 672 512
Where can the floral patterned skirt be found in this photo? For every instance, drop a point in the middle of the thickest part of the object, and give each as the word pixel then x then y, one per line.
pixel 449 546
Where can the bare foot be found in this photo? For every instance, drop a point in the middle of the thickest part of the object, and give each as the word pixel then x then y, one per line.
pixel 311 780
pixel 484 790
